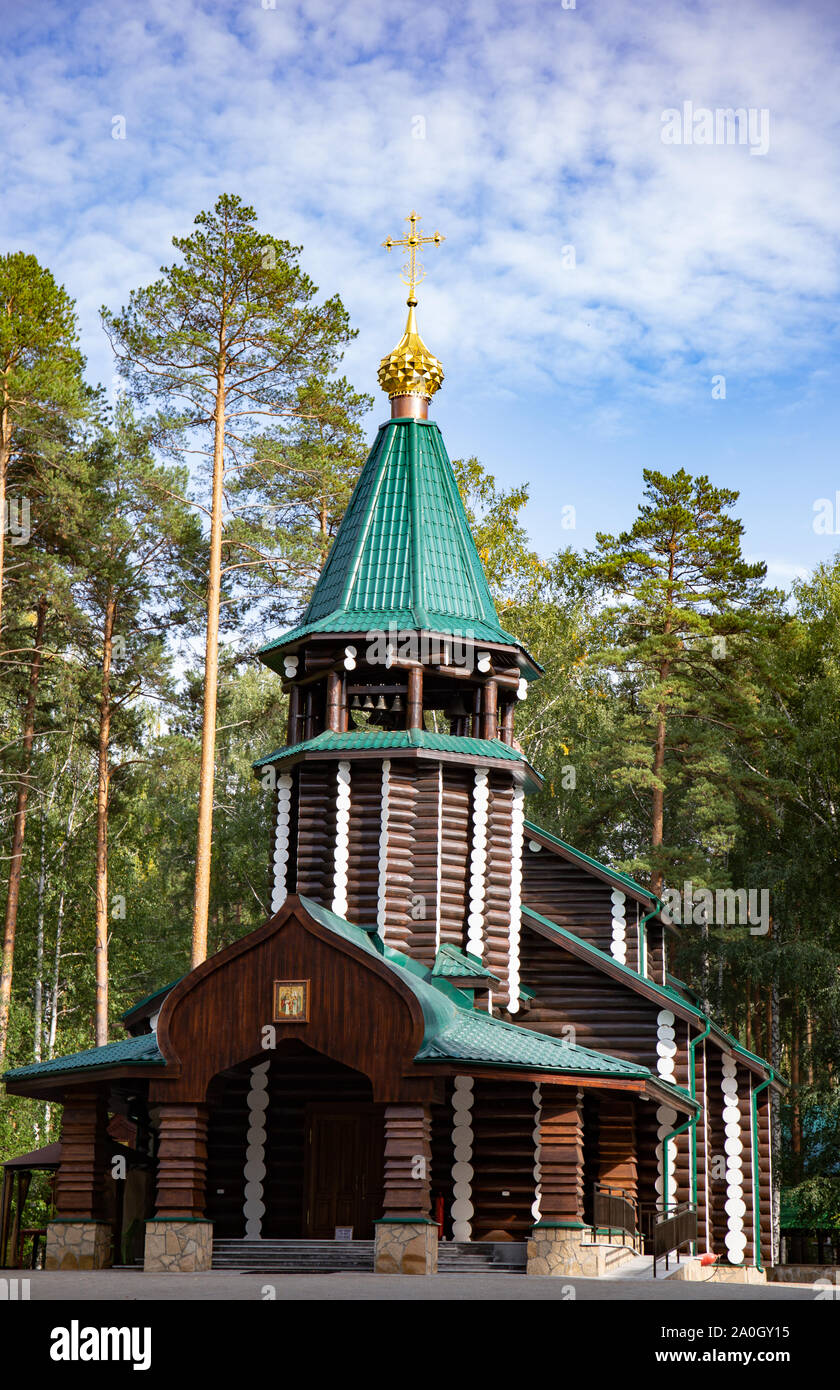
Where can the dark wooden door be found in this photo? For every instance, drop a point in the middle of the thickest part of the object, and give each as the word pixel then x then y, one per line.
pixel 344 1163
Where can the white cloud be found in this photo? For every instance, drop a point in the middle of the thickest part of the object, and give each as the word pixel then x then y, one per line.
pixel 543 129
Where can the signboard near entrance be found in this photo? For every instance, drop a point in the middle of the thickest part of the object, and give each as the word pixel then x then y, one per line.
pixel 344 1232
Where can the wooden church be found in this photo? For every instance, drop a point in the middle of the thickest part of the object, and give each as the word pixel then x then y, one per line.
pixel 455 1031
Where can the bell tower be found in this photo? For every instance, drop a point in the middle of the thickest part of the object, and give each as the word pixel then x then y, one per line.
pixel 400 788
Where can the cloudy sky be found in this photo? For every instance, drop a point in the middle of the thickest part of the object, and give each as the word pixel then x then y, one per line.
pixel 597 280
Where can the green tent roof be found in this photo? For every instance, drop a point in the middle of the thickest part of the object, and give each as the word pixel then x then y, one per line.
pixel 404 555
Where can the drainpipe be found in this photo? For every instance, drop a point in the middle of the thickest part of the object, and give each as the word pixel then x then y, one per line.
pixel 643 938
pixel 755 1174
pixel 665 1142
pixel 692 1083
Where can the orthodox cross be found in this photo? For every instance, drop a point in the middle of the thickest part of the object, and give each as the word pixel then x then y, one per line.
pixel 413 272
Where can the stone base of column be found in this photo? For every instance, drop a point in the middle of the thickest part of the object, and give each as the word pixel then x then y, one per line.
pixel 561 1250
pixel 178 1246
pixel 78 1245
pixel 406 1247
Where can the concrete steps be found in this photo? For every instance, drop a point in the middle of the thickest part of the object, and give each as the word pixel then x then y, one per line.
pixel 481 1257
pixel 356 1257
pixel 294 1256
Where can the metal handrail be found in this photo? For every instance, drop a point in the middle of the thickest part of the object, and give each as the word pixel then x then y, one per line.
pixel 616 1212
pixel 669 1230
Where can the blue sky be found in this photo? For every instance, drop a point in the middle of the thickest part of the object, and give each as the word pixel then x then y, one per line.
pixel 541 129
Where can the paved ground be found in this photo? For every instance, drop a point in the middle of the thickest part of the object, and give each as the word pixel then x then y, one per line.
pixel 128 1286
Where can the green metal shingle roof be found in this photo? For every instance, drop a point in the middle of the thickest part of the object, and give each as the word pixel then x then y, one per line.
pixel 359 740
pixel 474 1036
pixel 141 1051
pixel 450 963
pixel 458 1034
pixel 404 555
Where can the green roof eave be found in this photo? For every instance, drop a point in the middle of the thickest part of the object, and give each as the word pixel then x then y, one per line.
pixel 664 991
pixel 331 744
pixel 155 994
pixel 142 1051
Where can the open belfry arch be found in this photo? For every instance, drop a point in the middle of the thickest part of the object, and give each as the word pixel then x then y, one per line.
pixel 453 1026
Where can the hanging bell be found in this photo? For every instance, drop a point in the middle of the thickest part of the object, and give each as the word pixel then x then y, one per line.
pixel 367 703
pixel 457 709
pixel 397 704
pixel 355 703
pixel 380 704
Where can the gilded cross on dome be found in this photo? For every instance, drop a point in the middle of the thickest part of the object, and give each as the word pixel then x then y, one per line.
pixel 413 271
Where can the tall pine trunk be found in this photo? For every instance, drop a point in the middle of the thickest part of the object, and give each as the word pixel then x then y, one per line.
pixel 5 455
pixel 204 846
pixel 19 832
pixel 102 788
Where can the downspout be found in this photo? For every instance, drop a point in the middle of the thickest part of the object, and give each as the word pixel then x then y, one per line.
pixel 755 1174
pixel 665 1142
pixel 692 1086
pixel 643 938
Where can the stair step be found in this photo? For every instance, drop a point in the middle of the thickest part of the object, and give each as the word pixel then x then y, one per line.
pixel 352 1256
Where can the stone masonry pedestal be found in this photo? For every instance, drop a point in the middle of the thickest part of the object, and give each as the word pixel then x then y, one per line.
pixel 406 1247
pixel 560 1250
pixel 78 1245
pixel 178 1246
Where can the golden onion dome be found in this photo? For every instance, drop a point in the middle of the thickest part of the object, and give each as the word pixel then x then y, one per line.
pixel 410 369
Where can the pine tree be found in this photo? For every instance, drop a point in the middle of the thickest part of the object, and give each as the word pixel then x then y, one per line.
pixel 138 539
pixel 41 386
pixel 288 499
pixel 223 339
pixel 683 647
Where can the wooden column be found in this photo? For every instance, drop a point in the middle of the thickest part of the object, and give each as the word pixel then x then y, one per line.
pixel 476 714
pixel 617 1145
pixel 507 722
pixel 414 704
pixel 294 708
pixel 561 1155
pixel 490 710
pixel 182 1161
pixel 334 702
pixel 309 717
pixel 408 1161
pixel 79 1187
pixel 5 1214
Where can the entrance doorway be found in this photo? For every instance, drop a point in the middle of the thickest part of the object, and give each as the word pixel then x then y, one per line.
pixel 344 1164
pixel 323 1152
